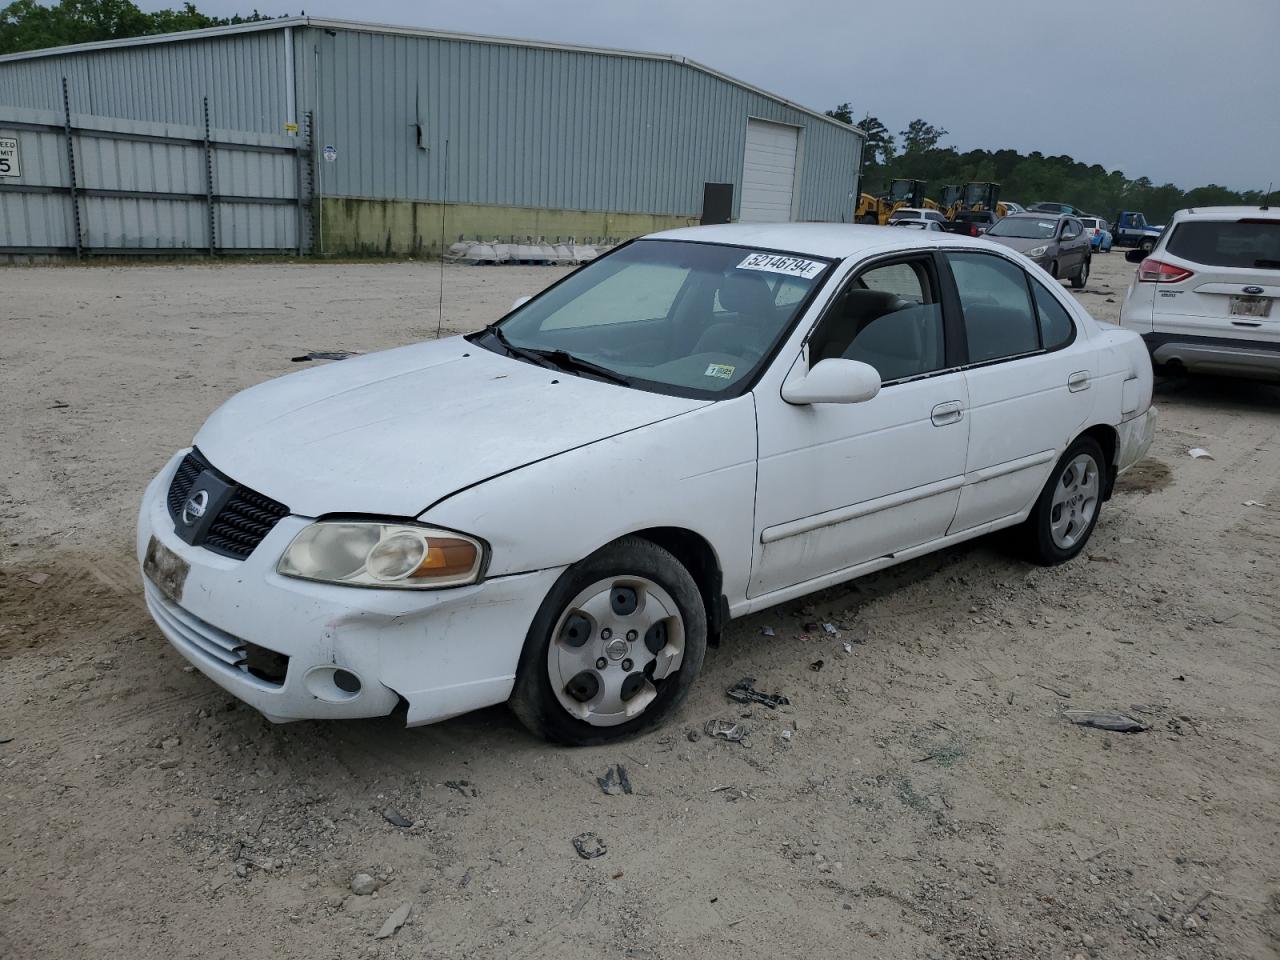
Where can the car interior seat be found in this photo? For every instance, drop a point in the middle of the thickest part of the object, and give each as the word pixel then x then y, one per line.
pixel 747 296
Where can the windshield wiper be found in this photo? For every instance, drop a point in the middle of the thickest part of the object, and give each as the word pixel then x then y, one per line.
pixel 524 353
pixel 567 361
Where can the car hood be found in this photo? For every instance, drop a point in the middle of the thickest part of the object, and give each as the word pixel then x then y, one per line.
pixel 1021 244
pixel 392 433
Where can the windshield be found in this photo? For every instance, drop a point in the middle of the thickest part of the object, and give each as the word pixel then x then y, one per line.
pixel 694 319
pixel 1217 243
pixel 1028 228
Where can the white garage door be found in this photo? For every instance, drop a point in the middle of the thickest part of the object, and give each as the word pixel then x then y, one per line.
pixel 768 172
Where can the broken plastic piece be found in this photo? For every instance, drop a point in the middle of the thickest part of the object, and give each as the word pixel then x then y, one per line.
pixel 394 922
pixel 726 730
pixel 615 781
pixel 1115 722
pixel 1199 453
pixel 323 355
pixel 744 691
pixel 589 846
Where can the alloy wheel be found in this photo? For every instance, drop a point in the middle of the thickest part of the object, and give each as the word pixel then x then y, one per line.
pixel 1075 501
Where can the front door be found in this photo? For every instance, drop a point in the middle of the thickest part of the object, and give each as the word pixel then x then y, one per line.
pixel 842 484
pixel 1028 380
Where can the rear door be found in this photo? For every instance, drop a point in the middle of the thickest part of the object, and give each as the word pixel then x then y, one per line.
pixel 1029 382
pixel 1234 287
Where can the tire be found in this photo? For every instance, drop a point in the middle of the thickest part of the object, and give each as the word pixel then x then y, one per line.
pixel 1146 246
pixel 1082 276
pixel 646 595
pixel 1044 537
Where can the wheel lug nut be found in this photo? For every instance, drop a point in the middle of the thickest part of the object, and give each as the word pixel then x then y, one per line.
pixel 601 663
pixel 632 634
pixel 606 633
pixel 627 665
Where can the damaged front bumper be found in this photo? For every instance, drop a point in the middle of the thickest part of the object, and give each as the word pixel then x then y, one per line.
pixel 294 649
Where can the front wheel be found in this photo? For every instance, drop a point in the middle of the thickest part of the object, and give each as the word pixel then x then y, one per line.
pixel 614 648
pixel 1067 511
pixel 1081 278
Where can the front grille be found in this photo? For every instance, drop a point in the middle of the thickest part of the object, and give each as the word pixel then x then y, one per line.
pixel 241 524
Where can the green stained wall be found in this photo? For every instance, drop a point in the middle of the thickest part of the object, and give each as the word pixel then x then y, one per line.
pixel 387 228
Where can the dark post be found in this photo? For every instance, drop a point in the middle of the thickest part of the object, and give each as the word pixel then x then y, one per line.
pixel 208 182
pixel 306 179
pixel 71 165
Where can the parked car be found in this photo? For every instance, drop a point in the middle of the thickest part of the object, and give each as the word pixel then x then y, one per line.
pixel 971 223
pixel 1099 233
pixel 1207 297
pixel 1011 207
pixel 1132 230
pixel 1055 242
pixel 562 509
pixel 1045 207
pixel 933 226
pixel 917 214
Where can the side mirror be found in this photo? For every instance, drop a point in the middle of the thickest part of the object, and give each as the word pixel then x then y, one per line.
pixel 832 381
pixel 520 302
pixel 1135 256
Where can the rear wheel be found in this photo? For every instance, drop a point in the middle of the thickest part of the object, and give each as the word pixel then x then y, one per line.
pixel 1081 278
pixel 1064 516
pixel 1146 246
pixel 614 648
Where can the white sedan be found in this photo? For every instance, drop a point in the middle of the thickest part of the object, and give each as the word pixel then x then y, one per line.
pixel 562 510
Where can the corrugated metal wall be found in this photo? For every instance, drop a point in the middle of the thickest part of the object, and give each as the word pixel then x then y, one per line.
pixel 539 127
pixel 526 126
pixel 145 186
pixel 242 75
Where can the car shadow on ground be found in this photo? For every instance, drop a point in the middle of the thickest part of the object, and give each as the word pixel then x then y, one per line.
pixel 1204 391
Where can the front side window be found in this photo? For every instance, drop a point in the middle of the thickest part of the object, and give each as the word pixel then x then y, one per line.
pixel 889 317
pixel 998 316
pixel 694 319
pixel 1070 230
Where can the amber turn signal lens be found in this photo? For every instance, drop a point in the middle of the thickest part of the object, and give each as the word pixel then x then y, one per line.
pixel 447 557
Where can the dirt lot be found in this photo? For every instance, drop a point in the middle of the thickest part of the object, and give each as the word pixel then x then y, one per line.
pixel 926 800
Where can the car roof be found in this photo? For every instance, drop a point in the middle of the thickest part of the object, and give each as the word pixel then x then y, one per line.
pixel 902 210
pixel 1228 213
pixel 1041 215
pixel 835 240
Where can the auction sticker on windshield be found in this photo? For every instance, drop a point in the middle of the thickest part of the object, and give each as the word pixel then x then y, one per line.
pixel 775 263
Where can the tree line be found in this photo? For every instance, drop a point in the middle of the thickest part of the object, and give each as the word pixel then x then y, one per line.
pixel 917 153
pixel 29 25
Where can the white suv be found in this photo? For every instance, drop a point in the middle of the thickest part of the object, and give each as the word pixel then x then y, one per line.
pixel 1205 297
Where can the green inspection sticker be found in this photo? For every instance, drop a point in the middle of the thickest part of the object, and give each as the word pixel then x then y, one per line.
pixel 721 370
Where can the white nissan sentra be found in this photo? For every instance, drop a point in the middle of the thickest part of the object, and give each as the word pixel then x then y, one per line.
pixel 562 510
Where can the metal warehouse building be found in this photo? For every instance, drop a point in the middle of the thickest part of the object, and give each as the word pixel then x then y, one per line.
pixel 311 135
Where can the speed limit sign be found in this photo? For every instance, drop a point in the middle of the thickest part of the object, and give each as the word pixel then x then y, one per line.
pixel 9 165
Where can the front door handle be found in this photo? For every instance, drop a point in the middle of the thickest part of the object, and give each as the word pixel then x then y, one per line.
pixel 1078 381
pixel 950 412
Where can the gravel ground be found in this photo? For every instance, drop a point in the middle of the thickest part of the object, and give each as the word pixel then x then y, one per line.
pixel 920 797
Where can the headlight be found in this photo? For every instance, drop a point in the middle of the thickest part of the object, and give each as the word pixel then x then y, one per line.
pixel 399 555
pixel 1038 251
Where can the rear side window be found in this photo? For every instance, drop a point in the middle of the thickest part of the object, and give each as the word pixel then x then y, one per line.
pixel 1056 328
pixel 1251 244
pixel 998 316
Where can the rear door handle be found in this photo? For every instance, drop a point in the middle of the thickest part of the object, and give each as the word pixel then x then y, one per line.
pixel 1078 381
pixel 950 412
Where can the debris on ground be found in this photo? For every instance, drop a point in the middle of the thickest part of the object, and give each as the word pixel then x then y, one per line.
pixel 394 922
pixel 767 632
pixel 396 818
pixel 726 730
pixel 732 794
pixel 848 647
pixel 37 578
pixel 786 734
pixel 324 355
pixel 1115 722
pixel 829 629
pixel 744 691
pixel 692 735
pixel 6 738
pixel 589 846
pixel 817 665
pixel 362 885
pixel 1199 453
pixel 615 781
pixel 464 787
pixel 1254 503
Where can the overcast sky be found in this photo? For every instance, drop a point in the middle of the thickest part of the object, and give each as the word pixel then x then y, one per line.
pixel 1186 91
